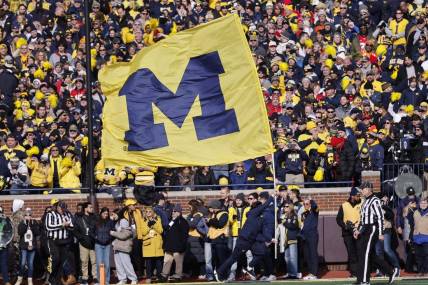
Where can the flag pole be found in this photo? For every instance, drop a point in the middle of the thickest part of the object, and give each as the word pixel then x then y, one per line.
pixel 90 155
pixel 275 204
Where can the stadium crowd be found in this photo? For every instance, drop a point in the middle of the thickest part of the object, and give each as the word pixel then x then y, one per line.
pixel 345 86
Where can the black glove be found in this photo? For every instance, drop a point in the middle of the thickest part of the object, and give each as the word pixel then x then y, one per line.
pixel 151 223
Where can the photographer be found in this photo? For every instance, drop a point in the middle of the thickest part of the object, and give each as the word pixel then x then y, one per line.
pixel 39 171
pixel 70 170
pixel 348 218
pixel 28 230
pixel 19 176
pixel 294 159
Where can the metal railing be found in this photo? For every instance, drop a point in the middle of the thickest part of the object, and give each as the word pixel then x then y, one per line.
pixel 213 187
pixel 391 171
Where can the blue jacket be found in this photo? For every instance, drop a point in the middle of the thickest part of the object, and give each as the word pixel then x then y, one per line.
pixel 376 156
pixel 161 212
pixel 268 224
pixel 253 224
pixel 310 222
pixel 236 178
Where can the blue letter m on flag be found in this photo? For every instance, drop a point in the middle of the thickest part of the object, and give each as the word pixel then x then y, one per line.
pixel 201 78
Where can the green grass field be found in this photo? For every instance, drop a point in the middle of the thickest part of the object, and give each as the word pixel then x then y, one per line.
pixel 321 282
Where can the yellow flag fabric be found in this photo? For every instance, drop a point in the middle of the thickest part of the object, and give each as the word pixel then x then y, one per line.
pixel 193 98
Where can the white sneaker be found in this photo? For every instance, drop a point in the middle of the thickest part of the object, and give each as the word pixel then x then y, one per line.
pixel 30 281
pixel 135 282
pixel 284 276
pixel 19 280
pixel 310 277
pixel 299 275
pixel 271 278
pixel 121 282
pixel 263 278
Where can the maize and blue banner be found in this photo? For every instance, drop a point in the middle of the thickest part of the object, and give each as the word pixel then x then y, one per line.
pixel 193 98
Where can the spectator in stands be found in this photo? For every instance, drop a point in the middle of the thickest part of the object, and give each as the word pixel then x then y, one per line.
pixel 204 176
pixel 260 174
pixel 19 176
pixel 238 175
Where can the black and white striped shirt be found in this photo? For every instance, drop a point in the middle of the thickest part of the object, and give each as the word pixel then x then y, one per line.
pixel 371 214
pixel 54 225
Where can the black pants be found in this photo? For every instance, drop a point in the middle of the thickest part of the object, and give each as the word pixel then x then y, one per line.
pixel 137 257
pixel 310 253
pixel 154 263
pixel 60 253
pixel 219 251
pixel 262 257
pixel 241 247
pixel 421 252
pixel 351 249
pixel 366 252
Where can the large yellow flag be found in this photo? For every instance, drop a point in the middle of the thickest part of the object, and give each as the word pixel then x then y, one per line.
pixel 193 98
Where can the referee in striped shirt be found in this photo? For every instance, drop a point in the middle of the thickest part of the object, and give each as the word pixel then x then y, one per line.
pixel 368 232
pixel 59 228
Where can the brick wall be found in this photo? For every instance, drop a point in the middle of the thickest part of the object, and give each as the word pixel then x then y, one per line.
pixel 373 177
pixel 328 199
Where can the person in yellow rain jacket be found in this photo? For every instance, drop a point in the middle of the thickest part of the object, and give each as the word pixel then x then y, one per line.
pixel 135 219
pixel 152 243
pixel 237 218
pixel 39 171
pixel 55 164
pixel 70 170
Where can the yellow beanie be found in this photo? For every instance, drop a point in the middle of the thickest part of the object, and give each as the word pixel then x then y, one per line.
pixel 329 63
pixel 311 125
